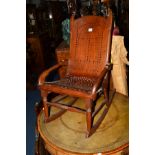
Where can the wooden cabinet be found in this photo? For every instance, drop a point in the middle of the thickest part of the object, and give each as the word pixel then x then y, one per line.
pixel 35 53
pixel 62 54
pixel 39 56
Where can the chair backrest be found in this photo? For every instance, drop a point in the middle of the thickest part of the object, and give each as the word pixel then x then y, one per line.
pixel 90 45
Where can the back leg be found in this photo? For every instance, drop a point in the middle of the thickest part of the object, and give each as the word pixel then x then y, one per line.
pixel 88 116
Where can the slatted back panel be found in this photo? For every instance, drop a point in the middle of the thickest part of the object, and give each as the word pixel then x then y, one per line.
pixel 90 44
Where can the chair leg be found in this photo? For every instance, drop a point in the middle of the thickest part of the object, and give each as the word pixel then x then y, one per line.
pixel 44 97
pixel 106 94
pixel 106 87
pixel 88 116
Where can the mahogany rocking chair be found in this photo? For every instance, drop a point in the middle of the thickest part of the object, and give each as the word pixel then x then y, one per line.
pixel 88 70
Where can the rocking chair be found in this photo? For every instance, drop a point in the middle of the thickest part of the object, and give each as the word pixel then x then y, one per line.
pixel 88 71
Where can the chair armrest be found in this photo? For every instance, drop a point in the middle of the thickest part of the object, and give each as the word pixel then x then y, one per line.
pixel 46 72
pixel 97 84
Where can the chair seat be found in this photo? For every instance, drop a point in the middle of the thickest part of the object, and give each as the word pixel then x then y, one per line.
pixel 77 83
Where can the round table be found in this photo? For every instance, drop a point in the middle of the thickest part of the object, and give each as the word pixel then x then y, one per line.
pixel 66 134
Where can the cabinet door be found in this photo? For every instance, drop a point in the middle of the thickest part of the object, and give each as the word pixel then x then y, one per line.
pixel 37 63
pixel 62 53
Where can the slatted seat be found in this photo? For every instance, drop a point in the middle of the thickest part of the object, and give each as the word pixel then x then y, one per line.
pixel 88 70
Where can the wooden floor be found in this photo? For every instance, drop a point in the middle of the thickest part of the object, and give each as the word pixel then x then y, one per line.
pixel 66 135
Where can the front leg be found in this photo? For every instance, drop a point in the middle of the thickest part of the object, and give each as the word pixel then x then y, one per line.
pixel 45 108
pixel 88 116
